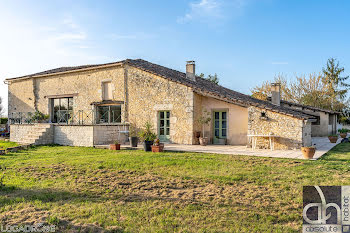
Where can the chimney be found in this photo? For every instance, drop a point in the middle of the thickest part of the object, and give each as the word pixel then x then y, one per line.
pixel 276 93
pixel 191 70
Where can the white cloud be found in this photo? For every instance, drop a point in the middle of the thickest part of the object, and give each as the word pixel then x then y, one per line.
pixel 211 10
pixel 32 46
pixel 137 36
pixel 279 63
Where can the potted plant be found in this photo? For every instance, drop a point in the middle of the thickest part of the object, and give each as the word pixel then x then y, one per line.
pixel 157 146
pixel 204 119
pixel 333 138
pixel 133 136
pixel 343 132
pixel 115 146
pixel 308 151
pixel 147 136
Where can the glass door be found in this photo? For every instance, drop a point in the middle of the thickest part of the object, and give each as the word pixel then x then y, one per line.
pixel 164 126
pixel 220 127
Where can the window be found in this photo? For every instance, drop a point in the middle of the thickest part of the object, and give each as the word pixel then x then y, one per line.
pixel 62 109
pixel 107 91
pixel 330 119
pixel 317 122
pixel 109 114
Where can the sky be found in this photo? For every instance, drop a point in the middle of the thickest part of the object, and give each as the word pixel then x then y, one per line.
pixel 245 42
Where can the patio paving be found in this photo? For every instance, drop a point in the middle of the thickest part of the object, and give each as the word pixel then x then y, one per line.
pixel 322 146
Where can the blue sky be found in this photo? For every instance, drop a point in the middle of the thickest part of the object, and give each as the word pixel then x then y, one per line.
pixel 244 41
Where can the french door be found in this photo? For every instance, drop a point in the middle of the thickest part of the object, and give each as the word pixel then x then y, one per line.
pixel 220 126
pixel 164 126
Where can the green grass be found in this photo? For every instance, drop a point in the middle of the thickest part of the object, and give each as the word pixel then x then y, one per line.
pixel 131 191
pixel 5 145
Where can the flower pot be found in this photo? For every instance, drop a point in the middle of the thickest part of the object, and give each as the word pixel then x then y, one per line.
pixel 197 134
pixel 308 152
pixel 147 145
pixel 343 135
pixel 333 139
pixel 133 141
pixel 203 141
pixel 159 148
pixel 114 146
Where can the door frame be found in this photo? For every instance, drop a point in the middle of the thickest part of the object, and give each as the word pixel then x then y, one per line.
pixel 167 137
pixel 213 122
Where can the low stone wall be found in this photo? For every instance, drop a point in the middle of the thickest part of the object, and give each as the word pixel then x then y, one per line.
pixel 71 135
pixel 108 134
pixel 19 132
pixel 292 132
pixel 74 135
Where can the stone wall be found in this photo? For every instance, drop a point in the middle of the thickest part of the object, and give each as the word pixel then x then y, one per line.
pixel 292 132
pixel 19 132
pixel 148 94
pixel 73 135
pixel 104 134
pixel 69 135
pixel 21 96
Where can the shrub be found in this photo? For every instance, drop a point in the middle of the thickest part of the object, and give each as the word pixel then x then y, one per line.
pixel 146 133
pixel 3 120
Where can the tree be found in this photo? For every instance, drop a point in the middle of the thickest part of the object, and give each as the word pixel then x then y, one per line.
pixel 212 78
pixel 326 90
pixel 337 86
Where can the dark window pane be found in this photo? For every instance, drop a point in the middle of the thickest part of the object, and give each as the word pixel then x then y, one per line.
pixel 216 115
pixel 168 123
pixel 217 125
pixel 103 116
pixel 161 131
pixel 223 132
pixel 116 113
pixel 216 133
pixel 223 124
pixel 167 114
pixel 161 115
pixel 161 123
pixel 224 115
pixel 167 131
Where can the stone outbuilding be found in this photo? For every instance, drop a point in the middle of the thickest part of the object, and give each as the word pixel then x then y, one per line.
pixel 96 104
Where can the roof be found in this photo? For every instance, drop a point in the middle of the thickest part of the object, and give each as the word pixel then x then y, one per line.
pixel 200 85
pixel 309 107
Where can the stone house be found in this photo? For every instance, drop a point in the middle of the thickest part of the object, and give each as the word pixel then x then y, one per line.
pixel 95 104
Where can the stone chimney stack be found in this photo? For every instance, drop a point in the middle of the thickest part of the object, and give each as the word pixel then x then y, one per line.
pixel 276 93
pixel 191 70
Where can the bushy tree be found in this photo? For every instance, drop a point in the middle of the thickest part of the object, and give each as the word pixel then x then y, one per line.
pixel 212 78
pixel 327 89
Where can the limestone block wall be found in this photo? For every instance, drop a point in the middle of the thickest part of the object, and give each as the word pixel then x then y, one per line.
pixel 237 119
pixel 293 133
pixel 148 94
pixel 104 135
pixel 21 96
pixel 19 132
pixel 74 135
pixel 86 84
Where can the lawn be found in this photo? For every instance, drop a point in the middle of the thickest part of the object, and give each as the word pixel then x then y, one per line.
pixel 131 191
pixel 5 145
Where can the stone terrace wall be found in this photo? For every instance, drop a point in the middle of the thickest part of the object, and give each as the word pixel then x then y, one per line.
pixel 104 134
pixel 73 135
pixel 18 132
pixel 293 133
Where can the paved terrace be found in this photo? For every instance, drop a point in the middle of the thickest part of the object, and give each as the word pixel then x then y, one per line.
pixel 322 146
